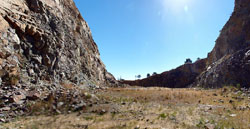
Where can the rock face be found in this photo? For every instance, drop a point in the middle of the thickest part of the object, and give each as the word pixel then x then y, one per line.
pixel 229 61
pixel 47 40
pixel 231 70
pixel 227 64
pixel 235 35
pixel 46 51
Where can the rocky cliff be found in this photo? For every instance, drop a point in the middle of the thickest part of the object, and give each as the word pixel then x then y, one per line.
pixel 235 35
pixel 47 41
pixel 227 64
pixel 47 55
pixel 229 61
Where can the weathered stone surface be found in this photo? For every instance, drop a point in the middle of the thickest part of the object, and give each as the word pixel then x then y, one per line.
pixel 53 36
pixel 33 95
pixel 44 43
pixel 232 70
pixel 4 25
pixel 235 35
pixel 5 109
pixel 18 99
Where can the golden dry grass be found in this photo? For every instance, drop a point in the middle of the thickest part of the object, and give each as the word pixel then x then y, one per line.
pixel 152 108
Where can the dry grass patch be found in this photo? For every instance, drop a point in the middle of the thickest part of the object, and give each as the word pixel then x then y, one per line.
pixel 127 108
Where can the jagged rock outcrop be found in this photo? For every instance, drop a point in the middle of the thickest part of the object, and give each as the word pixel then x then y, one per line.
pixel 176 78
pixel 235 35
pixel 227 64
pixel 231 70
pixel 229 61
pixel 48 40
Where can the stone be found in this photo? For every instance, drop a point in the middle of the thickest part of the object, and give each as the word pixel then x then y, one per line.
pixel 80 106
pixel 38 36
pixel 38 59
pixel 18 99
pixel 4 25
pixel 16 39
pixel 5 109
pixel 2 120
pixel 33 95
pixel 208 108
pixel 233 115
pixel 60 104
pixel 221 101
pixel 31 30
pixel 137 127
pixel 209 126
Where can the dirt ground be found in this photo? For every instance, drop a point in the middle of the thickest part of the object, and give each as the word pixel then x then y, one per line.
pixel 151 108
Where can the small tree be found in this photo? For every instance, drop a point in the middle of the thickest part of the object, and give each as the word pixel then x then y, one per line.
pixel 188 61
pixel 139 76
pixel 148 75
pixel 154 74
pixel 120 78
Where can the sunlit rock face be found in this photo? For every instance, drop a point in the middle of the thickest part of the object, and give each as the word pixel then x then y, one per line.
pixel 47 41
pixel 235 35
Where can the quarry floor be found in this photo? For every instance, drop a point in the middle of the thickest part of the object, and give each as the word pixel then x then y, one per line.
pixel 151 108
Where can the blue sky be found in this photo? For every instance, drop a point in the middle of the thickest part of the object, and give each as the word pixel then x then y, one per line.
pixel 145 36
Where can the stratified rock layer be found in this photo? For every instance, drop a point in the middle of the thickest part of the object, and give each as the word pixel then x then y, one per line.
pixel 47 40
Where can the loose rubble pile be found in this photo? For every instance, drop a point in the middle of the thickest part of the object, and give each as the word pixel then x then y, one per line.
pixel 23 102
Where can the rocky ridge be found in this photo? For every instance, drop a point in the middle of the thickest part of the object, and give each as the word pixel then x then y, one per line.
pixel 176 78
pixel 227 64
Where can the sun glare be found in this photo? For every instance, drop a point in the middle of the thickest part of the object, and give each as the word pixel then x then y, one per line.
pixel 176 6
